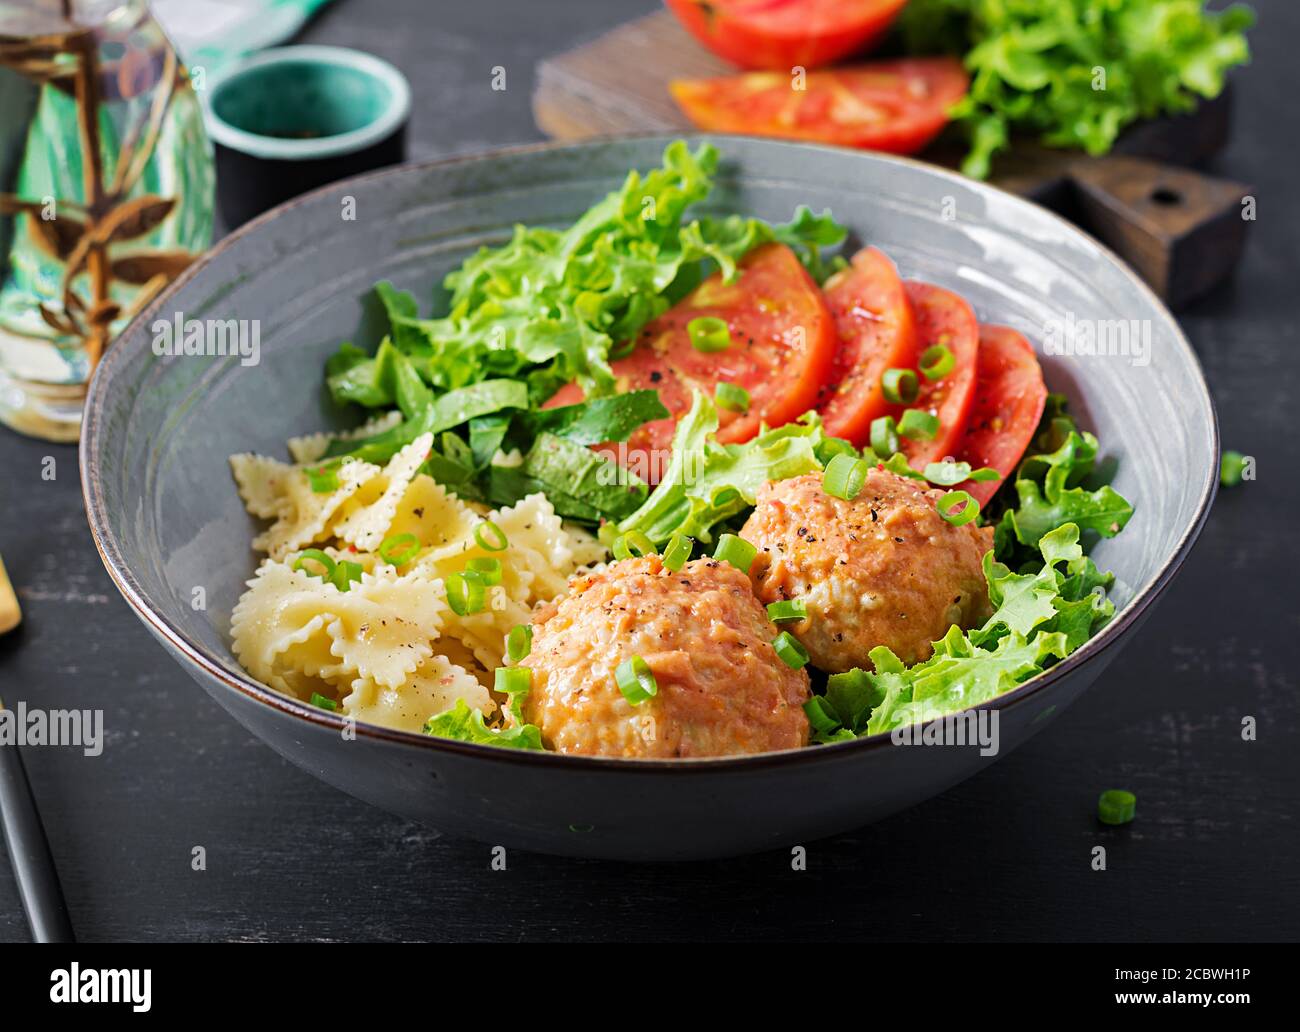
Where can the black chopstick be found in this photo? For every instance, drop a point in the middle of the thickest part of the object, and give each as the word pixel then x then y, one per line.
pixel 29 852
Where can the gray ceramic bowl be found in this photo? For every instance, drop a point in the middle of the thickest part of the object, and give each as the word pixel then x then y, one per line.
pixel 166 517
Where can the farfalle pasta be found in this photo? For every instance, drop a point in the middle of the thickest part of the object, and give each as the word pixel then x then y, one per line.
pixel 350 607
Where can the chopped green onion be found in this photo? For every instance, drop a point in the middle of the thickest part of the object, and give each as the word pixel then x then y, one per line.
pixel 677 552
pixel 819 717
pixel 790 609
pixel 732 397
pixel 607 534
pixel 324 478
pixel 900 386
pixel 791 652
pixel 884 436
pixel 708 333
pixel 844 477
pixel 937 361
pixel 519 642
pixel 829 447
pixel 947 474
pixel 490 537
pixel 399 549
pixel 632 544
pixel 466 593
pixel 513 681
pixel 985 473
pixel 918 425
pixel 636 680
pixel 317 699
pixel 487 569
pixel 736 550
pixel 1230 468
pixel 957 508
pixel 1116 806
pixel 317 556
pixel 345 573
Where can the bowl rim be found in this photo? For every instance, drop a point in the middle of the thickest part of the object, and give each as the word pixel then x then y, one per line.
pixel 184 651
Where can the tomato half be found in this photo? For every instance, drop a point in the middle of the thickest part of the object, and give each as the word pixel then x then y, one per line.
pixel 942 317
pixel 1009 400
pixel 785 33
pixel 895 106
pixel 782 342
pixel 873 319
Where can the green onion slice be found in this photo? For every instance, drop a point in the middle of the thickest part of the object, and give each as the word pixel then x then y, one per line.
pixel 1230 468
pixel 884 436
pixel 677 552
pixel 819 716
pixel 466 593
pixel 607 534
pixel 490 537
pixel 632 544
pixel 513 681
pixel 324 478
pixel 844 477
pixel 636 680
pixel 736 550
pixel 790 609
pixel 937 361
pixel 829 447
pixel 489 570
pixel 732 397
pixel 317 699
pixel 900 386
pixel 918 425
pixel 345 573
pixel 791 652
pixel 1115 806
pixel 708 333
pixel 519 642
pixel 317 556
pixel 957 508
pixel 399 549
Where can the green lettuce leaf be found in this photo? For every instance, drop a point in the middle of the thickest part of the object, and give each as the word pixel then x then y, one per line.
pixel 467 725
pixel 1034 64
pixel 548 305
pixel 707 482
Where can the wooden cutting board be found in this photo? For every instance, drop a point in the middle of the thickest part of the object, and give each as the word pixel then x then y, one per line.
pixel 1182 230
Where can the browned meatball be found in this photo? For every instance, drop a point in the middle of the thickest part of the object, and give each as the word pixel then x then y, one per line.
pixel 883 569
pixel 722 689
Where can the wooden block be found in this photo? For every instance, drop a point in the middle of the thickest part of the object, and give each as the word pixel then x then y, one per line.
pixel 1181 230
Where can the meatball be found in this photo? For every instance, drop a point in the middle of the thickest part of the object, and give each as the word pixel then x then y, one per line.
pixel 883 569
pixel 722 689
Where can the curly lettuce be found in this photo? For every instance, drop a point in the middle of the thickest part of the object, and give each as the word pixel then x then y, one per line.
pixel 1075 73
pixel 1039 619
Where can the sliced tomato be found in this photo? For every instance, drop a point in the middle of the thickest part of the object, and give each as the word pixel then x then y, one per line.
pixel 942 317
pixel 785 33
pixel 1009 399
pixel 783 340
pixel 895 106
pixel 873 319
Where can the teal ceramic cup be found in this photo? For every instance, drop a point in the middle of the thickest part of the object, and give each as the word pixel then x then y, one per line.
pixel 290 119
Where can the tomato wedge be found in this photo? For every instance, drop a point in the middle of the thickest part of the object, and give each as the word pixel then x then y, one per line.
pixel 785 33
pixel 895 106
pixel 873 319
pixel 782 343
pixel 942 317
pixel 1009 400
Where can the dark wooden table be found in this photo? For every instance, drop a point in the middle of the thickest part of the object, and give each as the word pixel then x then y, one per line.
pixel 1006 855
